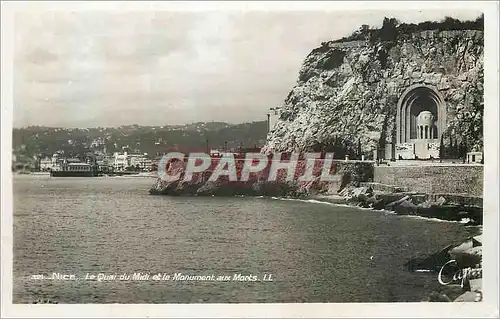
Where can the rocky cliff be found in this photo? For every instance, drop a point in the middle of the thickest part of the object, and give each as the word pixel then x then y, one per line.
pixel 347 92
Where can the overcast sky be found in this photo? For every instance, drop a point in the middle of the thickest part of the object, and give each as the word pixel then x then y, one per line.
pixel 88 69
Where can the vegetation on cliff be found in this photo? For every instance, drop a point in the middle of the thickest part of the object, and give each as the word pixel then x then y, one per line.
pixel 392 29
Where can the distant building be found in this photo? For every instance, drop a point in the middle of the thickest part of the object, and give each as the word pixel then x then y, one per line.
pixel 221 153
pixel 120 161
pixel 141 161
pixel 215 153
pixel 73 160
pixel 104 165
pixel 272 118
pixel 474 157
pixel 46 164
pixel 55 158
pixel 97 142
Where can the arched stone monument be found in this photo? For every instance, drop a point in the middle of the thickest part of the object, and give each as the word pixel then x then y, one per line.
pixel 420 122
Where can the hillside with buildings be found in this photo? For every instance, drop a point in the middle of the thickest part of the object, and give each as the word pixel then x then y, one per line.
pixel 404 91
pixel 133 146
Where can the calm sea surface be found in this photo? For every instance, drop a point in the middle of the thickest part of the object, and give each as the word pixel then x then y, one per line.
pixel 315 252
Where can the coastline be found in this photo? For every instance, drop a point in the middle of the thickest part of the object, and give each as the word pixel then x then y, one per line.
pixel 450 207
pixel 337 200
pixel 351 183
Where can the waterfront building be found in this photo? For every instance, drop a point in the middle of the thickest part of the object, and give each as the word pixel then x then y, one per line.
pixel 55 158
pixel 120 161
pixel 142 161
pixel 135 159
pixel 146 164
pixel 103 165
pixel 46 164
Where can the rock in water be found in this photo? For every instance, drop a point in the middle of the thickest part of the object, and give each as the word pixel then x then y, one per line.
pixel 391 206
pixel 441 201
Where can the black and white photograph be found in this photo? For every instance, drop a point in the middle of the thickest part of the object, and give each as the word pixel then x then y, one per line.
pixel 196 155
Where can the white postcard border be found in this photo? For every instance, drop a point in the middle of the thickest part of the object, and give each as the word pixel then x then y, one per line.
pixel 487 308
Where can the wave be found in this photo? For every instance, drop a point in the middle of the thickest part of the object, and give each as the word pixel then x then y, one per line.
pixel 316 201
pixel 437 219
pixel 386 212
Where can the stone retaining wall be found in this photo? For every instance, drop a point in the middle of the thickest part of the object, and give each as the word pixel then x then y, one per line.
pixel 451 179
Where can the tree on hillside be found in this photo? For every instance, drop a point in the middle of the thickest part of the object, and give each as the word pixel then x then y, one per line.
pixel 389 30
pixel 442 152
pixel 364 28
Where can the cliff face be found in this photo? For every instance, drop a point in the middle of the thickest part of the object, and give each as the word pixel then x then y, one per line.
pixel 347 93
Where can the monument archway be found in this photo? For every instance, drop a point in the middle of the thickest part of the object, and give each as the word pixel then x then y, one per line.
pixel 420 122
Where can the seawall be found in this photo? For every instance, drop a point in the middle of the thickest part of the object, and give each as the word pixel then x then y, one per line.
pixel 444 191
pixel 464 179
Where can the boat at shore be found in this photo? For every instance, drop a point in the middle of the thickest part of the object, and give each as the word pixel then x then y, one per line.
pixel 91 173
pixel 74 169
pixel 72 174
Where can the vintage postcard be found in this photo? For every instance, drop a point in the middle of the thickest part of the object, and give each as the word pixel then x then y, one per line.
pixel 261 159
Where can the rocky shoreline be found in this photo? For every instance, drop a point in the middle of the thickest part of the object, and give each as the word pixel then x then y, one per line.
pixel 452 207
pixel 260 184
pixel 458 269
